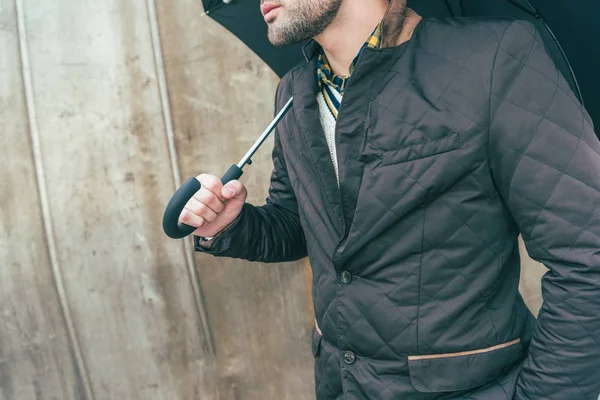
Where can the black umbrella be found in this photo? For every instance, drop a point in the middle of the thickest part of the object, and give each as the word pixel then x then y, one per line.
pixel 567 27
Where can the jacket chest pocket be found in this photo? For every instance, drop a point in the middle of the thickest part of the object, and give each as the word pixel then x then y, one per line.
pixel 419 150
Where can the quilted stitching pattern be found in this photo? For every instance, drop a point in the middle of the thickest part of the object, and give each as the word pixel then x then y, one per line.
pixel 431 242
pixel 558 216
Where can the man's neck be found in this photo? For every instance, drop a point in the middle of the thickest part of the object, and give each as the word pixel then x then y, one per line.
pixel 356 20
pixel 343 39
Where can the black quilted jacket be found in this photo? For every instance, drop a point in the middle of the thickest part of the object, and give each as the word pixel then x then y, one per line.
pixel 449 146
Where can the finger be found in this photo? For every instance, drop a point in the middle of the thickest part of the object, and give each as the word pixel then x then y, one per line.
pixel 189 218
pixel 201 210
pixel 209 199
pixel 233 189
pixel 211 183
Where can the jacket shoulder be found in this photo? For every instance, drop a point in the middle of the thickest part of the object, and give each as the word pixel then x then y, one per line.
pixel 459 39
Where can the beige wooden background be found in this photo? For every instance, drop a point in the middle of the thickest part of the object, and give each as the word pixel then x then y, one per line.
pixel 105 106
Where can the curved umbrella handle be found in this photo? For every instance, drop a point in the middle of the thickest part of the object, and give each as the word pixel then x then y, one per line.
pixel 171 224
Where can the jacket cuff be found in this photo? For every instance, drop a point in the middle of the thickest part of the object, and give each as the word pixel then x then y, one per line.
pixel 222 241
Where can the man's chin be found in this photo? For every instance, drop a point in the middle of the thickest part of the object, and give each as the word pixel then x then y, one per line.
pixel 280 43
pixel 277 39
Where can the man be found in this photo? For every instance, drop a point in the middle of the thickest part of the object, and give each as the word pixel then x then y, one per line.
pixel 416 152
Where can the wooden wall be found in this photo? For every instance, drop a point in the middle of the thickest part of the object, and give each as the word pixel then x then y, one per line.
pixel 105 107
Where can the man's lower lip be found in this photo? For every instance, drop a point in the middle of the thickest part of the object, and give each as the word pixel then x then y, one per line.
pixel 271 14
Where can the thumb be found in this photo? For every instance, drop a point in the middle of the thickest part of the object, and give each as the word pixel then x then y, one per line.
pixel 233 189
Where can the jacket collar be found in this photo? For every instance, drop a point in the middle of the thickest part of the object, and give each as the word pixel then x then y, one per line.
pixel 310 50
pixel 392 24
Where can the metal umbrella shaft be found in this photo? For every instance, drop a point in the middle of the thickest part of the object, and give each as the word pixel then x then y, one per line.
pixel 247 159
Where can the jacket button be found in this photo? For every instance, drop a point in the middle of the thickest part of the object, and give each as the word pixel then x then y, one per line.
pixel 349 357
pixel 346 277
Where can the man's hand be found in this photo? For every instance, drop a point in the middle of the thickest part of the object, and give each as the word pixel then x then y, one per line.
pixel 214 206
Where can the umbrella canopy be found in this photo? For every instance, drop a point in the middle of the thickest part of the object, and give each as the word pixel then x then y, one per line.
pixel 568 28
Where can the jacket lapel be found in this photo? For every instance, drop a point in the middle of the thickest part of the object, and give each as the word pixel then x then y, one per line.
pixel 307 114
pixel 371 75
pixel 368 79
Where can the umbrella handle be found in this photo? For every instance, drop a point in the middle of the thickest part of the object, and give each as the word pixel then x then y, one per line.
pixel 171 224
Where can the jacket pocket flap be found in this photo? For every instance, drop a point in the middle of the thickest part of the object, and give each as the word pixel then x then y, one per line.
pixel 465 370
pixel 421 150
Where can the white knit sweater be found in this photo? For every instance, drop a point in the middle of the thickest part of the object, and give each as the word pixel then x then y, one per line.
pixel 328 123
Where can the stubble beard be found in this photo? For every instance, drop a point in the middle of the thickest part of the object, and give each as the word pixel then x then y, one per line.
pixel 304 21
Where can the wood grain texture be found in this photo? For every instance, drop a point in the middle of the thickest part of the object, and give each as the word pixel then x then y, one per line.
pixel 222 99
pixel 36 358
pixel 108 175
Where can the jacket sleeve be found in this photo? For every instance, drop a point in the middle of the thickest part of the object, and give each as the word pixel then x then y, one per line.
pixel 545 161
pixel 269 233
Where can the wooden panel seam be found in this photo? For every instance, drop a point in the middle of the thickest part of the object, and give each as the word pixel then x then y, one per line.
pixel 44 201
pixel 166 109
